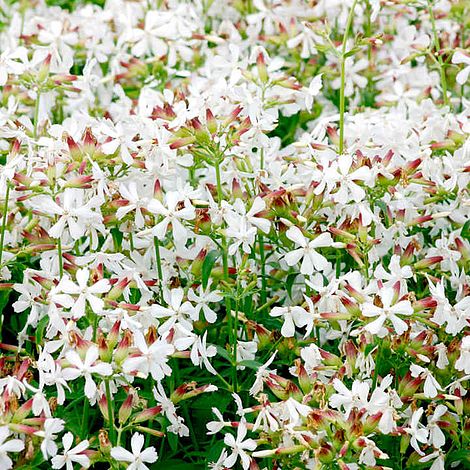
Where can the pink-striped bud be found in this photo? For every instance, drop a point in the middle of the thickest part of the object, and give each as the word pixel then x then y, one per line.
pixel 147 415
pixel 126 408
pixel 428 262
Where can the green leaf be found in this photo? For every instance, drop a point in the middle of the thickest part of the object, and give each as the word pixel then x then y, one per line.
pixel 224 353
pixel 290 282
pixel 466 230
pixel 250 364
pixel 207 266
pixel 39 333
pixel 462 456
pixel 117 238
pixel 175 464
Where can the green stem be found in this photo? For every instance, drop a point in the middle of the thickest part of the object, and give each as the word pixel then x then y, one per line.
pixel 110 411
pixel 343 78
pixel 262 256
pixel 61 261
pixel 36 114
pixel 156 242
pixel 231 333
pixel 437 46
pixel 4 220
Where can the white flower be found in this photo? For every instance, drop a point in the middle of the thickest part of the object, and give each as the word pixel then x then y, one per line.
pixel 311 259
pixel 86 368
pixel 13 445
pixel 151 359
pixel 463 362
pixel 370 453
pixel 417 431
pixel 436 437
pixel 239 447
pixel 293 317
pixel 312 91
pixel 134 203
pixel 460 57
pixel 348 189
pixel 52 427
pixel 84 292
pixel 349 399
pixel 201 300
pixel 387 312
pixel 70 454
pixel 172 214
pixel 176 311
pixel 137 458
pixel 431 385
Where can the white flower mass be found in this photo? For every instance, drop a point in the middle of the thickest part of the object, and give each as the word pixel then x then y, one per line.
pixel 235 234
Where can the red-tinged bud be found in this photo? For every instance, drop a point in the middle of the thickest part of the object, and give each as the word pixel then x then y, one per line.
pixel 341 233
pixel 420 220
pixel 22 428
pixel 44 68
pixel 195 123
pixel 407 255
pixel 263 334
pixel 147 415
pixel 9 347
pixel 237 189
pixel 333 135
pixel 446 144
pixel 82 182
pixel 113 335
pixel 335 315
pixel 408 386
pixel 318 146
pixel 355 294
pixel 457 137
pixel 46 283
pixel 344 449
pixel 21 178
pixel 410 167
pixel 6 286
pixel 64 78
pixel 182 142
pixel 371 423
pixel 211 122
pixel 103 406
pixel 462 248
pixel 352 308
pixel 81 345
pixel 151 335
pixel 261 66
pixel 22 412
pixel 424 304
pixel 290 83
pixel 103 348
pixel 330 359
pixel 15 148
pixel 89 140
pixel 191 392
pixel 283 388
pixel 122 350
pixel 105 443
pixel 232 116
pixel 352 250
pixel 350 350
pixel 153 432
pixel 428 262
pixel 305 382
pixel 126 408
pixel 253 465
pixel 118 289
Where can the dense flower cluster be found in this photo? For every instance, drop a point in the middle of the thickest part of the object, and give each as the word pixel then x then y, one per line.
pixel 235 234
